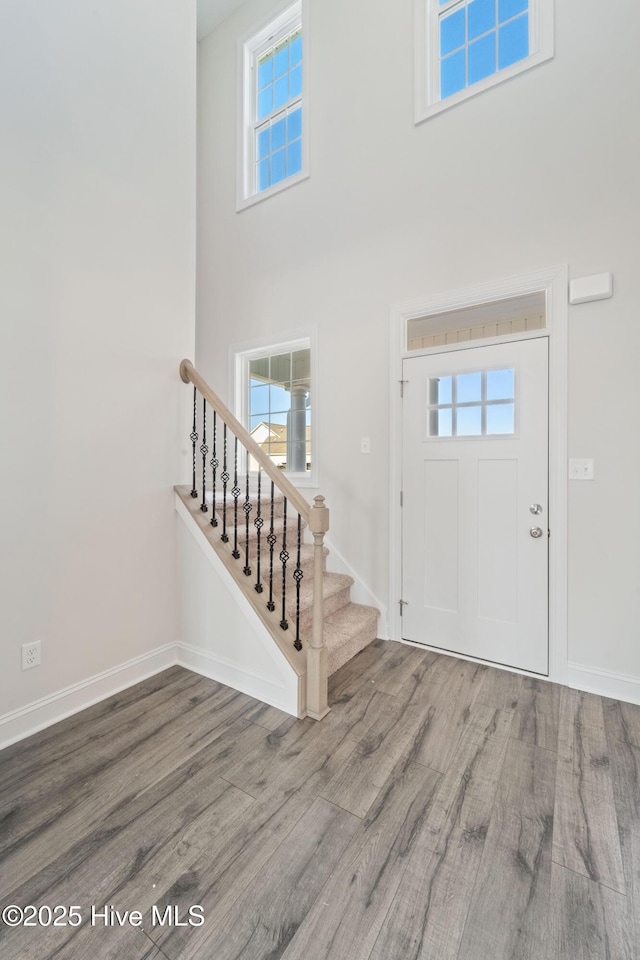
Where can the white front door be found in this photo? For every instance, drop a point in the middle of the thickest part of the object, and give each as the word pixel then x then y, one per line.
pixel 475 502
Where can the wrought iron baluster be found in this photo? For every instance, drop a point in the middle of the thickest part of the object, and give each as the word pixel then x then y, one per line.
pixel 247 510
pixel 204 450
pixel 194 439
pixel 284 556
pixel 214 467
pixel 225 480
pixel 297 576
pixel 271 540
pixel 235 491
pixel 258 523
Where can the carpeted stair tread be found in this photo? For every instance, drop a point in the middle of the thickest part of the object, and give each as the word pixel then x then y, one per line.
pixel 347 632
pixel 332 583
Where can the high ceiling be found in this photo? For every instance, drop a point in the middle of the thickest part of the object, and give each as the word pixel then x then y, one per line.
pixel 213 12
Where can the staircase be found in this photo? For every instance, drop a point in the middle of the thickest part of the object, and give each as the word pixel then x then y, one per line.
pixel 261 527
pixel 348 627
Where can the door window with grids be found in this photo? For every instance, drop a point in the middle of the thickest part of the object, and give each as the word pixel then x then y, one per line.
pixel 477 404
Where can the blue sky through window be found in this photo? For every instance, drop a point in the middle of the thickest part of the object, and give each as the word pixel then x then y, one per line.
pixel 279 89
pixel 478 38
pixel 472 404
pixel 273 380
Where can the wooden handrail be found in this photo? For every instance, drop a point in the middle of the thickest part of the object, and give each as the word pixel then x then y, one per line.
pixel 189 374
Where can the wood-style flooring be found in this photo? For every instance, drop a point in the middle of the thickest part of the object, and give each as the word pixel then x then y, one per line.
pixel 443 810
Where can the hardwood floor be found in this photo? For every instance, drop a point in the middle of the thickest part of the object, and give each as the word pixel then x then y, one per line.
pixel 442 811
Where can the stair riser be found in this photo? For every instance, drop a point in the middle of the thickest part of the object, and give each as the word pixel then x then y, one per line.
pixel 330 605
pixel 306 567
pixel 292 536
pixel 332 601
pixel 266 511
pixel 354 645
pixel 306 558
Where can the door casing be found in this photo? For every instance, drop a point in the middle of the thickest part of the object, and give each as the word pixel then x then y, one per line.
pixel 554 282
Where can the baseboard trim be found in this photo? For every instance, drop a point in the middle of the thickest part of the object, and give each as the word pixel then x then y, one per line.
pixel 42 713
pixel 221 670
pixel 605 684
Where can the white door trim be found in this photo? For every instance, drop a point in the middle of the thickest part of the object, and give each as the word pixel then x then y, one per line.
pixel 554 281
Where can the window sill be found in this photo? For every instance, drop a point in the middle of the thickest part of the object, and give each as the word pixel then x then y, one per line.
pixel 243 203
pixel 426 110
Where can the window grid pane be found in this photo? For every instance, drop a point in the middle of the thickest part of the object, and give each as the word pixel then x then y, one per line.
pixel 278 131
pixel 478 38
pixel 279 147
pixel 472 404
pixel 279 401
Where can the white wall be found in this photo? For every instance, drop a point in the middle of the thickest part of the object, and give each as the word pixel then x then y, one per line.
pixel 97 184
pixel 222 636
pixel 537 171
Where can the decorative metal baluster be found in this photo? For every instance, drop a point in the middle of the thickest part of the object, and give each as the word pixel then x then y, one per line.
pixel 258 523
pixel 236 491
pixel 271 539
pixel 284 556
pixel 194 439
pixel 225 481
pixel 247 510
pixel 204 450
pixel 297 576
pixel 214 466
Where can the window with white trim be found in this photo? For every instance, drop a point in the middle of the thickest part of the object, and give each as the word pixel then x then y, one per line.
pixel 274 401
pixel 466 46
pixel 272 147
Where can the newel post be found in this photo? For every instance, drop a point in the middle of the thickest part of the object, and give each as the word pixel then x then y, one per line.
pixel 317 706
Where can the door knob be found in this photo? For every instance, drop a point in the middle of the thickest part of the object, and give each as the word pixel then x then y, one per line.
pixel 536 532
pixel 535 509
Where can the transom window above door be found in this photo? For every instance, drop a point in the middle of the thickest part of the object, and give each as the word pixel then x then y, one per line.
pixel 477 404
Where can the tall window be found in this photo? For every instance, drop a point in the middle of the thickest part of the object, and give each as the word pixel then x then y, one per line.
pixel 466 46
pixel 273 125
pixel 274 395
pixel 278 124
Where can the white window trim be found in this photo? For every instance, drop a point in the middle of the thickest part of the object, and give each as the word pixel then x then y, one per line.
pixel 248 46
pixel 427 57
pixel 239 356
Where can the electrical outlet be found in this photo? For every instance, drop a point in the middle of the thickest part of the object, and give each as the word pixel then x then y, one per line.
pixel 31 654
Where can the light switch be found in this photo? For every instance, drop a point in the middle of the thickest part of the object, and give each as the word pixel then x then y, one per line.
pixel 580 469
pixel 365 446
